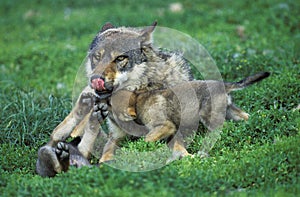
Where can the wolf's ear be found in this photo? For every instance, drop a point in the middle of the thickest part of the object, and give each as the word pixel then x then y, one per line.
pixel 106 26
pixel 147 32
pixel 95 41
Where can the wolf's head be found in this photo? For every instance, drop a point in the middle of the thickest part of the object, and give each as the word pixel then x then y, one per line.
pixel 115 51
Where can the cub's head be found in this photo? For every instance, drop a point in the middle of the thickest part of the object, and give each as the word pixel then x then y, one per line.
pixel 114 52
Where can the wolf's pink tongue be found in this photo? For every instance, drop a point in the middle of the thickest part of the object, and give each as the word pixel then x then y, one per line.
pixel 98 84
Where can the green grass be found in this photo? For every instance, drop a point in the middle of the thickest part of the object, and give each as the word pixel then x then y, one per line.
pixel 43 43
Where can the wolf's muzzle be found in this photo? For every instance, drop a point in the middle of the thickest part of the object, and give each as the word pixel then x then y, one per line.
pixel 97 83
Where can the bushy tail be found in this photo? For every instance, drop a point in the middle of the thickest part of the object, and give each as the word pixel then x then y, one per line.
pixel 246 82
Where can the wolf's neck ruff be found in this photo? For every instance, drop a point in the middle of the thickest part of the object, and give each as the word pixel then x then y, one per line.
pixel 153 71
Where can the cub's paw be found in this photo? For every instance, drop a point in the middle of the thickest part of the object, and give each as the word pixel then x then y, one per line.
pixel 62 151
pixel 100 111
pixel 131 112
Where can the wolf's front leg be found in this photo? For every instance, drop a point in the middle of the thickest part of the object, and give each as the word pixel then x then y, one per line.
pixel 91 131
pixel 116 135
pixel 83 106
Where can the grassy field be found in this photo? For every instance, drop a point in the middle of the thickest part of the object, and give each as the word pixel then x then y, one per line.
pixel 43 43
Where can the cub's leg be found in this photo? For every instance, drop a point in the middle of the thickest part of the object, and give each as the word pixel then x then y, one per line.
pixel 154 112
pixel 160 131
pixel 176 144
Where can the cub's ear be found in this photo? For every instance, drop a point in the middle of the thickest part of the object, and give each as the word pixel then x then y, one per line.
pixel 106 26
pixel 147 34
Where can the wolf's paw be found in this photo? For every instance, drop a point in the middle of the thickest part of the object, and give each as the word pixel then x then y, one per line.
pixel 62 151
pixel 100 111
pixel 86 103
pixel 87 99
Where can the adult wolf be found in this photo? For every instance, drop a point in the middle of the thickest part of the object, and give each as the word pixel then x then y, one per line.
pixel 121 46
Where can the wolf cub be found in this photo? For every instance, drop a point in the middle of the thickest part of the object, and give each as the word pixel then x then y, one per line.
pixel 166 111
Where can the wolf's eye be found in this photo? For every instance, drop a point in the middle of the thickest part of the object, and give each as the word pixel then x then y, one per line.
pixel 120 58
pixel 97 56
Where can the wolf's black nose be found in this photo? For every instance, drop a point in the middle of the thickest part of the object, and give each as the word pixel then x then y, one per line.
pixel 96 77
